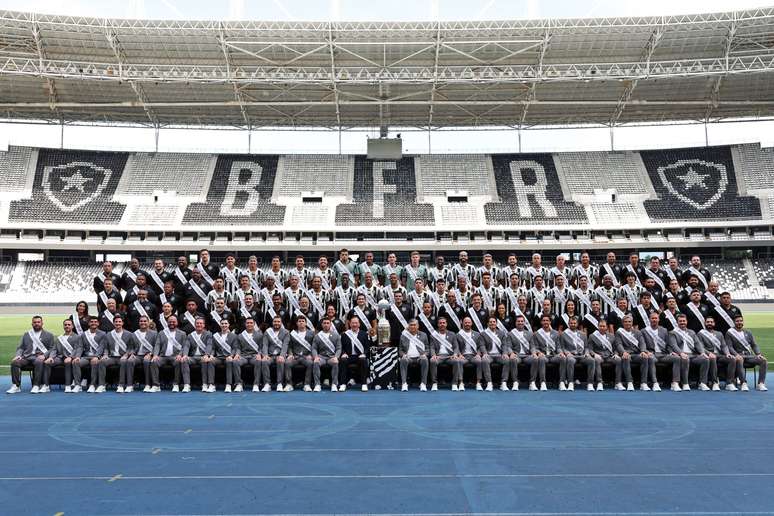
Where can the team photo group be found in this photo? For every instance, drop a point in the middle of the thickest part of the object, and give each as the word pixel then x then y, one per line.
pixel 359 324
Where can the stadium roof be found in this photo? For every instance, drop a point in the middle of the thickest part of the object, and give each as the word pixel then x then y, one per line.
pixel 607 71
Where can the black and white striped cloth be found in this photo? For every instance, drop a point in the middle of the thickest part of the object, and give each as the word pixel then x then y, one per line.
pixel 382 364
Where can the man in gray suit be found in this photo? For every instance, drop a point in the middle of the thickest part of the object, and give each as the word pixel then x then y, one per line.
pixel 197 351
pixel 275 349
pixel 326 350
pixel 443 349
pixel 520 337
pixel 468 343
pixel 743 343
pixel 299 354
pixel 684 342
pixel 118 342
pixel 544 350
pixel 574 345
pixel 413 349
pixel 223 344
pixel 67 349
pixel 717 353
pixel 495 347
pixel 656 339
pixel 168 351
pixel 34 348
pixel 93 346
pixel 249 344
pixel 602 344
pixel 141 353
pixel 629 346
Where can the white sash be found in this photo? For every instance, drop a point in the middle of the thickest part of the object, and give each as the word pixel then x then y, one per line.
pixel 450 312
pixel 416 346
pixel 390 294
pixel 274 336
pixel 416 301
pixel 141 309
pixel 327 341
pixel 37 344
pixel 163 321
pixel 172 340
pixel 65 342
pixel 725 316
pixel 655 278
pixel 341 267
pixel 701 277
pixel 566 319
pixel 556 272
pixel 109 316
pixel 688 344
pixel 446 347
pixel 593 320
pixel 547 340
pixel 629 336
pixel 583 298
pixel 714 340
pixel 388 270
pixel 92 341
pixel 103 297
pixel 215 317
pixel 580 272
pixel 636 276
pixel 293 299
pixel 180 276
pixel 356 344
pixel 518 312
pixel 488 301
pixel 474 316
pixel 131 274
pixel 668 314
pixel 370 299
pixel 523 342
pixel 135 290
pixel 658 342
pixel 344 298
pixel 245 313
pixel 362 316
pixel 670 273
pixel 267 298
pixel 156 279
pixel 411 272
pixel 470 344
pixel 326 285
pixel 643 314
pixel 77 323
pixel 300 338
pixel 190 318
pixel 249 340
pixel 196 288
pixel 577 341
pixel 501 326
pixel 118 341
pixel 602 339
pixel 199 343
pixel 497 344
pixel 204 273
pixel 741 338
pixel 609 270
pixel 144 344
pixel 607 299
pixel 539 295
pixel 223 341
pixel 712 299
pixel 164 299
pixel 230 276
pixel 399 316
pixel 697 313
pixel 630 294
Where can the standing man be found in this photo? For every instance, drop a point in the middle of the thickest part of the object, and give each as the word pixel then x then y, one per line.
pixel 208 270
pixel 413 271
pixel 106 273
pixel 369 266
pixel 34 348
pixel 345 265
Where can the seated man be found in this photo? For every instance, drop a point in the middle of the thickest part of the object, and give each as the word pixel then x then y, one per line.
pixel 495 346
pixel 326 350
pixel 299 354
pixel 468 341
pixel 197 350
pixel 574 345
pixel 118 342
pixel 413 349
pixel 717 352
pixel 629 345
pixel 275 349
pixel 249 344
pixel 34 348
pixel 520 337
pixel 93 346
pixel 354 352
pixel 141 353
pixel 602 344
pixel 67 350
pixel 544 349
pixel 656 339
pixel 443 349
pixel 684 342
pixel 168 351
pixel 743 343
pixel 223 345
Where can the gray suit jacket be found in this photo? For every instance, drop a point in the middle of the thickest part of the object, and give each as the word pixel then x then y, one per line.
pixel 405 344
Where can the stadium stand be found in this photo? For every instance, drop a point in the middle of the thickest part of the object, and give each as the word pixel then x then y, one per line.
pixel 756 166
pixel 185 174
pixel 161 214
pixel 530 192
pixel 239 194
pixel 13 168
pixel 584 172
pixel 697 183
pixel 384 193
pixel 73 186
pixel 617 213
pixel 471 173
pixel 331 174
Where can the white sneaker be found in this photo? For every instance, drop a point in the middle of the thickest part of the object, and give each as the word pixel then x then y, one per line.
pixel 620 387
pixel 364 387
pixel 600 386
pixel 266 388
pixel 100 389
pixel 13 390
pixel 256 387
pixel 77 388
pixel 562 387
pixel 676 387
pixel 280 387
pixel 630 386
pixel 211 388
pixel 478 387
pixel 351 382
pixel 404 387
pixel 532 386
pixel 326 383
pixel 716 386
pixel 489 387
pixel 503 386
pixel 35 389
pixel 762 387
pixel 186 388
pixel 84 383
pixel 590 387
pixel 454 387
pixel 289 388
pixel 744 387
pixel 462 387
pixel 703 387
pixel 205 387
pixel 543 386
pixel 686 387
pixel 148 388
pixel 120 390
pixel 656 387
pixel 342 387
pixel 239 388
pixel 731 387
pixel 45 388
pixel 334 388
pixel 423 387
pixel 515 385
pixel 155 388
pixel 67 389
pixel 317 388
pixel 176 388
pixel 570 387
pixel 307 388
pixel 434 387
pixel 377 387
pixel 644 387
pixel 227 389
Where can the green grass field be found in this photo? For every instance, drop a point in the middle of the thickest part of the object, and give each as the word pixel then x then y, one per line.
pixel 12 326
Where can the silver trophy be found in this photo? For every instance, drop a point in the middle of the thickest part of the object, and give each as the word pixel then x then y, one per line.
pixel 383 325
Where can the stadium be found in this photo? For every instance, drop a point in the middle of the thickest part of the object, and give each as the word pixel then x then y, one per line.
pixel 298 242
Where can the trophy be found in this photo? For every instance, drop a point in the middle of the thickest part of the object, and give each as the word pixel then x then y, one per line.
pixel 383 325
